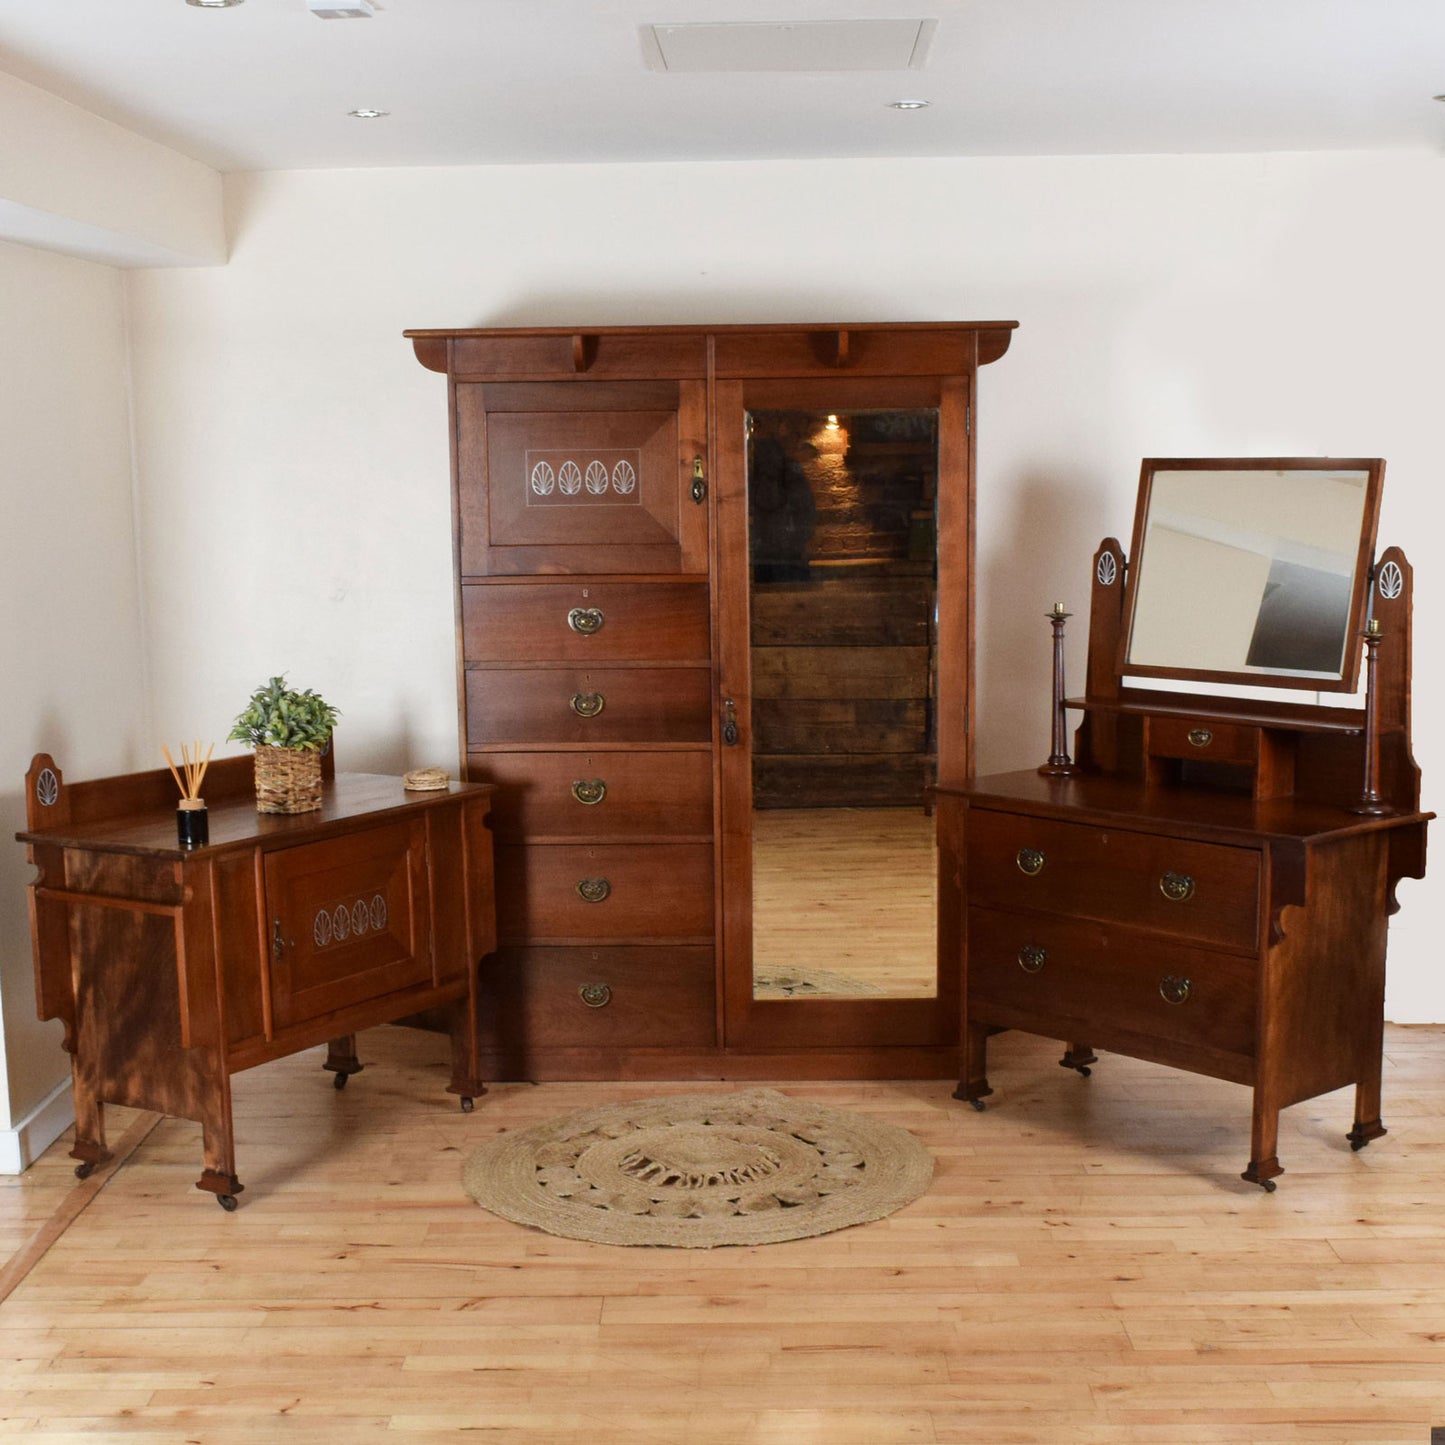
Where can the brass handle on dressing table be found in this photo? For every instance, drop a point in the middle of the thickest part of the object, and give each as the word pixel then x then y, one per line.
pixel 595 995
pixel 593 890
pixel 589 791
pixel 587 704
pixel 1031 957
pixel 1176 887
pixel 1030 861
pixel 1200 737
pixel 1173 988
pixel 585 620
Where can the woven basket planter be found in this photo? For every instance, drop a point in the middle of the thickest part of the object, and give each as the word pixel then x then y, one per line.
pixel 288 780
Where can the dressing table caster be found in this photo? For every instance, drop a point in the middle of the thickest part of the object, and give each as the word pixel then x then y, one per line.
pixel 978 1105
pixel 1268 1185
pixel 1361 1134
pixel 338 1081
pixel 467 1104
pixel 227 1202
pixel 1078 1057
pixel 84 1171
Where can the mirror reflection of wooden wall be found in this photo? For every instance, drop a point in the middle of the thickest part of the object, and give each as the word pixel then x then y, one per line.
pixel 841 514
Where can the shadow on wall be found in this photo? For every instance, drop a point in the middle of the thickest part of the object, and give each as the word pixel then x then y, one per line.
pixel 1043 558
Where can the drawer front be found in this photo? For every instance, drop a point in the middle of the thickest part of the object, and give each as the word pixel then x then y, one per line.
pixel 1210 742
pixel 1204 892
pixel 591 622
pixel 589 705
pixel 1080 976
pixel 568 891
pixel 586 795
pixel 598 997
pixel 346 920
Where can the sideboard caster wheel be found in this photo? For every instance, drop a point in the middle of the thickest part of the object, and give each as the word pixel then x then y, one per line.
pixel 978 1105
pixel 466 1104
pixel 1268 1185
pixel 228 1202
pixel 1085 1071
pixel 338 1081
pixel 84 1171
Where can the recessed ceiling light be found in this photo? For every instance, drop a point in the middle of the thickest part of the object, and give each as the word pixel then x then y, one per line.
pixel 909 104
pixel 213 4
pixel 367 113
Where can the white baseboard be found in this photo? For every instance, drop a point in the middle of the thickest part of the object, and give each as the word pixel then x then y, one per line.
pixel 21 1146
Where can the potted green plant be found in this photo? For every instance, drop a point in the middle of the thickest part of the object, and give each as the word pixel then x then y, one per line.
pixel 289 731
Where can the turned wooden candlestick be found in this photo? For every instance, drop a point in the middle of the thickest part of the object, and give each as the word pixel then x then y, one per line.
pixel 1371 803
pixel 1058 765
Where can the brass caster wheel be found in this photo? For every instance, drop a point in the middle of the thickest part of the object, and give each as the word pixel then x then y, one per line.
pixel 978 1105
pixel 1085 1071
pixel 338 1081
pixel 228 1201
pixel 467 1104
pixel 1268 1185
pixel 84 1171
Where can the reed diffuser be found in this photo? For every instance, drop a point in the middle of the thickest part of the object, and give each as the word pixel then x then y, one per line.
pixel 193 826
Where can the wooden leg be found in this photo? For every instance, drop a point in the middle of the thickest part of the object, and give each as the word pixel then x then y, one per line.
pixel 89 1146
pixel 1264 1163
pixel 973 1083
pixel 218 1141
pixel 1367 1112
pixel 466 1052
pixel 341 1059
pixel 1078 1056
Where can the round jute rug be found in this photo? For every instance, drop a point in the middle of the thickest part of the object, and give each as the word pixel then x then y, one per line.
pixel 700 1170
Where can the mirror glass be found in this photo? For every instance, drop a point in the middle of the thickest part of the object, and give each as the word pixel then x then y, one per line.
pixel 842 525
pixel 1251 570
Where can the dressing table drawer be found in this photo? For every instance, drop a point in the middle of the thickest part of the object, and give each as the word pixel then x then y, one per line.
pixel 1075 979
pixel 1201 892
pixel 595 622
pixel 613 891
pixel 1177 737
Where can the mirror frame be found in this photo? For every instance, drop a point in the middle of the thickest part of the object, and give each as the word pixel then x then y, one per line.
pixel 1348 680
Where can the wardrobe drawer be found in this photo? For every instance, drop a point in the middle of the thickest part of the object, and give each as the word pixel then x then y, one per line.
pixel 596 997
pixel 1206 892
pixel 589 705
pixel 592 622
pixel 621 890
pixel 613 794
pixel 1076 979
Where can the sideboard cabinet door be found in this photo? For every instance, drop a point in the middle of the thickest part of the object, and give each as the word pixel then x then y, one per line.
pixel 346 920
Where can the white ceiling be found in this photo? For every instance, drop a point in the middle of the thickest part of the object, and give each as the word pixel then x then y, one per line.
pixel 267 85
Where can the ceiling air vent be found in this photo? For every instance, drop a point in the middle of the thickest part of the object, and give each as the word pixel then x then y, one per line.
pixel 815 45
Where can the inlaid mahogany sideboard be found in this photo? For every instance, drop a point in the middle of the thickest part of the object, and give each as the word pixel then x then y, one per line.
pixel 173 968
pixel 1207 885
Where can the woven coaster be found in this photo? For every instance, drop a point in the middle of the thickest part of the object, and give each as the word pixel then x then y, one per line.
pixel 425 780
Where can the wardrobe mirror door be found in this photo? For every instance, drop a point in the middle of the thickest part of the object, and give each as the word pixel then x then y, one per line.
pixel 842 527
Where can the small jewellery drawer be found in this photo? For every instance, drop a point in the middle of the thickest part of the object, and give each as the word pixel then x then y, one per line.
pixel 585 622
pixel 1088 979
pixel 1205 892
pixel 581 997
pixel 617 890
pixel 613 794
pixel 1177 737
pixel 589 705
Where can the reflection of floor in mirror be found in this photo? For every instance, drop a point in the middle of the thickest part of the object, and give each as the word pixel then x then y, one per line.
pixel 843 902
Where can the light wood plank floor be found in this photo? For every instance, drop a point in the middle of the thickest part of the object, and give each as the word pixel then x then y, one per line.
pixel 1087 1267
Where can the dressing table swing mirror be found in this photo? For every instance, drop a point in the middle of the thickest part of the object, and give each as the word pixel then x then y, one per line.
pixel 1206 882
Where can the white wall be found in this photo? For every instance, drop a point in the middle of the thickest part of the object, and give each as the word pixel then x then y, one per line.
pixel 293 458
pixel 71 662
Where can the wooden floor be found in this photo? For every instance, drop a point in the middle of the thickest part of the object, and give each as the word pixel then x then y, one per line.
pixel 848 897
pixel 1087 1267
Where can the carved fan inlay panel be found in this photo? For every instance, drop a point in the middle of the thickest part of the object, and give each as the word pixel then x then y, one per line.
pixel 337 922
pixel 582 478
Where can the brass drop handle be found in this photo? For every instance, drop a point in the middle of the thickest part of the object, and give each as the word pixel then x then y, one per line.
pixel 1200 737
pixel 699 482
pixel 730 722
pixel 1176 887
pixel 1030 861
pixel 595 995
pixel 588 704
pixel 1173 988
pixel 593 890
pixel 589 791
pixel 585 620
pixel 1031 957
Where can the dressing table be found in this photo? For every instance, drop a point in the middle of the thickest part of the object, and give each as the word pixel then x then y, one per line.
pixel 1207 883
